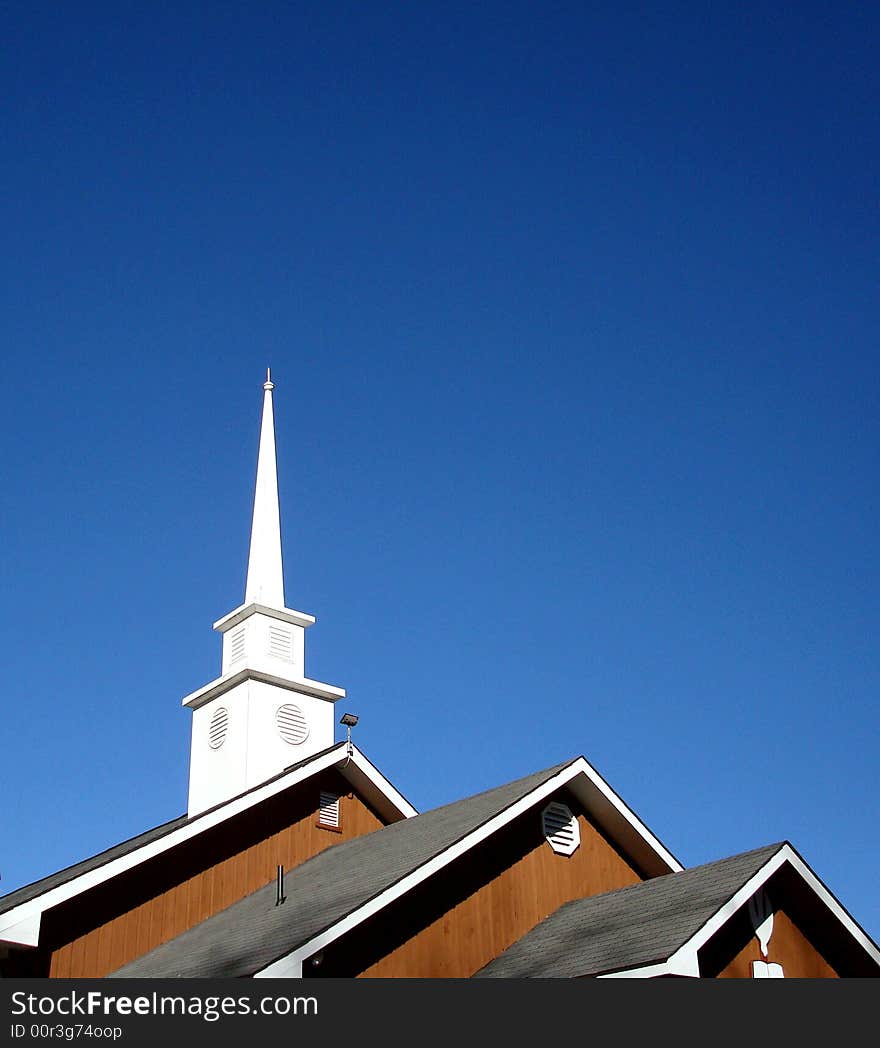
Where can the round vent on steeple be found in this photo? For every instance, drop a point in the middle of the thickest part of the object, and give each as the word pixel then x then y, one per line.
pixel 292 724
pixel 217 728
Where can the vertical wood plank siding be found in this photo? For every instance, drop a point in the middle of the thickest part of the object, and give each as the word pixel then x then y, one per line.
pixel 479 905
pixel 101 930
pixel 789 947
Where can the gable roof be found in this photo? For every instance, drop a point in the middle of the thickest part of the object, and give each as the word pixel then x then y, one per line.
pixel 656 927
pixel 21 910
pixel 631 927
pixel 342 886
pixel 254 932
pixel 53 880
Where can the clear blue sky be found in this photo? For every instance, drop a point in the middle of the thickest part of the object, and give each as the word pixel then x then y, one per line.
pixel 572 311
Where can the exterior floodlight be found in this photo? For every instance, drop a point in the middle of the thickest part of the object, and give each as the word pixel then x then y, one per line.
pixel 349 720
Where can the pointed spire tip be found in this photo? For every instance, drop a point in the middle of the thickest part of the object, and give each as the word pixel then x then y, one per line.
pixel 265 583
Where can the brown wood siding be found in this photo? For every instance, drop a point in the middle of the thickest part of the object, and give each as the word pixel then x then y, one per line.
pixel 788 947
pixel 480 905
pixel 101 930
pixel 808 940
pixel 479 927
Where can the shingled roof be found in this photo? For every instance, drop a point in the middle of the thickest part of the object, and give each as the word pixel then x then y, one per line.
pixel 253 932
pixel 21 910
pixel 628 928
pixel 94 862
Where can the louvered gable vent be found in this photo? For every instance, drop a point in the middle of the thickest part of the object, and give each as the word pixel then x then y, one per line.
pixel 328 810
pixel 560 828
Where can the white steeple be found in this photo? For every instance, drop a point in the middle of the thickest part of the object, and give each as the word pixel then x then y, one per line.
pixel 262 714
pixel 265 579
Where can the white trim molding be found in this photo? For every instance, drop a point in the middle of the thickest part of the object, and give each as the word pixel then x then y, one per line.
pixel 220 685
pixel 21 924
pixel 244 611
pixel 688 953
pixel 578 777
pixel 685 967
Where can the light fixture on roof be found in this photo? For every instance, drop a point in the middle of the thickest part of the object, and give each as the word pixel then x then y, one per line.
pixel 349 720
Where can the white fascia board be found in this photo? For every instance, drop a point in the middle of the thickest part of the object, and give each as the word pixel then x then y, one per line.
pixel 223 684
pixel 833 905
pixel 285 966
pixel 15 921
pixel 685 967
pixel 365 777
pixel 25 933
pixel 289 967
pixel 649 971
pixel 613 813
pixel 244 611
pixel 786 854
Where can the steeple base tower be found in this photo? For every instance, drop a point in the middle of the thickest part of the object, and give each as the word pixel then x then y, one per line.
pixel 263 714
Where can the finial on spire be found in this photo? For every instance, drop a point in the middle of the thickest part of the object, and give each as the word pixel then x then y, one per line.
pixel 265 582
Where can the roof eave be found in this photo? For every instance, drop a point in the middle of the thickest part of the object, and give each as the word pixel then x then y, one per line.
pixel 579 776
pixel 20 925
pixel 785 855
pixel 683 967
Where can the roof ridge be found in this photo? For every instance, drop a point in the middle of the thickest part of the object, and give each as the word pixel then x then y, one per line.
pixel 412 844
pixel 552 770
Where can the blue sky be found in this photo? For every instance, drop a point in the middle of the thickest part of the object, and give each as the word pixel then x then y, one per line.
pixel 572 313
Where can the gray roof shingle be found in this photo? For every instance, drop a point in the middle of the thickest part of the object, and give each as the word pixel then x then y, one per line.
pixel 254 932
pixel 642 924
pixel 94 862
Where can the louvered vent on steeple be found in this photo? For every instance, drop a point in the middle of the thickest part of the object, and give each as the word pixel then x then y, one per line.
pixel 560 828
pixel 292 725
pixel 217 727
pixel 280 643
pixel 236 645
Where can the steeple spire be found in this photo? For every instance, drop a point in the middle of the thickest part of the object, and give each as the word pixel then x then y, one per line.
pixel 265 577
pixel 262 713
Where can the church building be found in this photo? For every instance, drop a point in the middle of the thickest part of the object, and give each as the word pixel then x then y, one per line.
pixel 297 858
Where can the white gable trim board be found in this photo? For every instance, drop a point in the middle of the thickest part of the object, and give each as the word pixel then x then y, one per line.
pixel 685 967
pixel 687 954
pixel 20 926
pixel 583 780
pixel 616 817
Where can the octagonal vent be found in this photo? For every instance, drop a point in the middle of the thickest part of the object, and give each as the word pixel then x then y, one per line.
pixel 217 727
pixel 292 724
pixel 560 828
